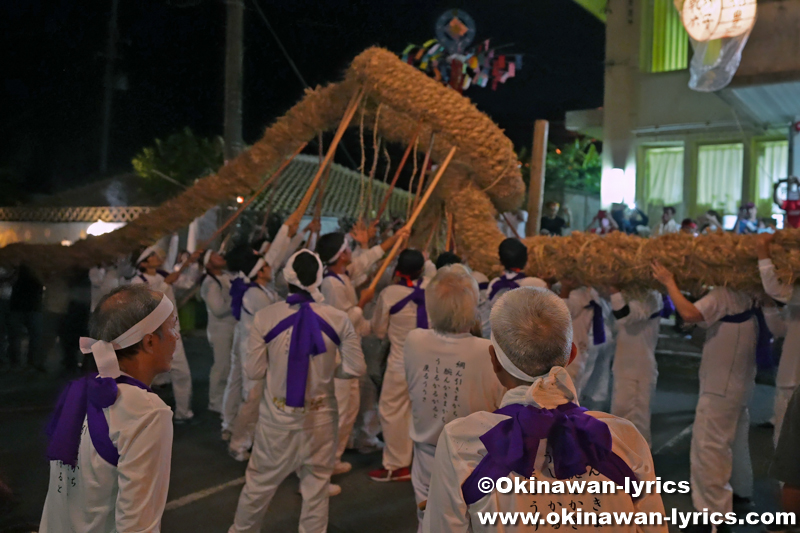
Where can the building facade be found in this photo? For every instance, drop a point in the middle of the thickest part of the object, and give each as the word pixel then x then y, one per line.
pixel 665 144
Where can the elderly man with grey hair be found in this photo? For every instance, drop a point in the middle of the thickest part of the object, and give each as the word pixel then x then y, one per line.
pixel 111 436
pixel 539 431
pixel 448 370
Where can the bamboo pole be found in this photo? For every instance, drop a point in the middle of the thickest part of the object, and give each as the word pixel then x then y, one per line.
pixel 434 229
pixel 255 195
pixel 402 164
pixel 410 223
pixel 424 171
pixel 350 111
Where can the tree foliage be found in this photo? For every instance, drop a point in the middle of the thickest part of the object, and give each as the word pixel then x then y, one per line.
pixel 183 157
pixel 576 165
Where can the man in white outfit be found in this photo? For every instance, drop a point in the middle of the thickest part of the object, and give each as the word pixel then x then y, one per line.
pixel 448 370
pixel 514 257
pixel 111 436
pixel 634 369
pixel 149 263
pixel 788 375
pixel 720 451
pixel 296 430
pixel 399 309
pixel 215 291
pixel 247 299
pixel 104 279
pixel 275 254
pixel 590 330
pixel 535 431
pixel 342 274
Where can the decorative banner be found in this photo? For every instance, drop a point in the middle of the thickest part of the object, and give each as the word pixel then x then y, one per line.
pixel 708 20
pixel 455 29
pixel 479 65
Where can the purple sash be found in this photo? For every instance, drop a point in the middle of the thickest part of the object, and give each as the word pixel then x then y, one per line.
pixel 575 440
pixel 764 341
pixel 669 308
pixel 503 283
pixel 85 398
pixel 329 274
pixel 483 285
pixel 238 288
pixel 307 329
pixel 418 297
pixel 598 324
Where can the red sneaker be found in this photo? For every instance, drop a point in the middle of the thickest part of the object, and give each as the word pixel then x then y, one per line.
pixel 383 475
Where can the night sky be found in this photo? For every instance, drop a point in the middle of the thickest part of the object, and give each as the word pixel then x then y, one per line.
pixel 172 54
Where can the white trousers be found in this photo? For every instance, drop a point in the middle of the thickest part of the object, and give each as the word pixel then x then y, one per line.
pixel 421 471
pixel 181 382
pixel 278 453
pixel 368 424
pixel 596 384
pixel 347 400
pixel 220 337
pixel 244 425
pixel 720 452
pixel 232 397
pixel 631 400
pixel 394 409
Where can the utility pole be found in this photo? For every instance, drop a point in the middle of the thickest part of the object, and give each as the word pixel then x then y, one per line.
pixel 233 78
pixel 108 82
pixel 536 186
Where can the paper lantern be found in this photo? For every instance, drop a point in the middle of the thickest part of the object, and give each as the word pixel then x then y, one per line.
pixel 707 20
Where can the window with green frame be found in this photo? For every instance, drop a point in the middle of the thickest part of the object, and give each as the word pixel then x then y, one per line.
pixel 772 164
pixel 666 47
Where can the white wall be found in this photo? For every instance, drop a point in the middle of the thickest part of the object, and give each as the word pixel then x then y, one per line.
pixel 42 232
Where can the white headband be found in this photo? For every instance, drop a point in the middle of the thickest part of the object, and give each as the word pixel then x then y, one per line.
pixel 103 351
pixel 258 266
pixel 207 257
pixel 345 246
pixel 150 250
pixel 506 363
pixel 291 276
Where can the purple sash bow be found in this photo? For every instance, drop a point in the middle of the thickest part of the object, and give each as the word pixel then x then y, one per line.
pixel 764 340
pixel 306 341
pixel 418 297
pixel 598 324
pixel 575 440
pixel 85 398
pixel 504 282
pixel 238 288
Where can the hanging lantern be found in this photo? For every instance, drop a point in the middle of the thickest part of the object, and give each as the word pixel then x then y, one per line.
pixel 708 20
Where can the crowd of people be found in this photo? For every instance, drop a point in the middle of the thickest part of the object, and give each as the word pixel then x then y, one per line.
pixel 465 363
pixel 557 221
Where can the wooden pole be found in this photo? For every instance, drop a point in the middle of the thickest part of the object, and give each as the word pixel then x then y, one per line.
pixel 255 195
pixel 424 171
pixel 414 215
pixel 536 187
pixel 402 164
pixel 350 111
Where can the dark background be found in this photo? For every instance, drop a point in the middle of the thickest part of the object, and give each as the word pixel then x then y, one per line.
pixel 172 53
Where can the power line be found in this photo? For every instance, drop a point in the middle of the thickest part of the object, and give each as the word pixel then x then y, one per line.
pixel 294 66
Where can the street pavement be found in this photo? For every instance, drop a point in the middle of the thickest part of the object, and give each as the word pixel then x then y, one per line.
pixel 205 481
